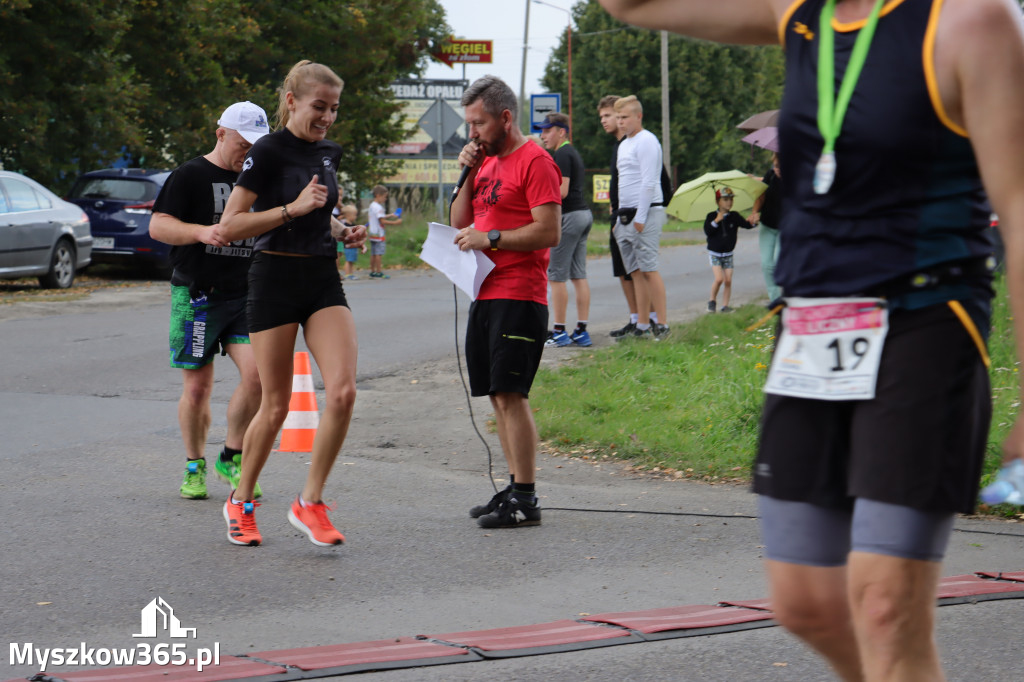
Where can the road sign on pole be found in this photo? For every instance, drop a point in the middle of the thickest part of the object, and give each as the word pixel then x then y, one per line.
pixel 541 106
pixel 440 121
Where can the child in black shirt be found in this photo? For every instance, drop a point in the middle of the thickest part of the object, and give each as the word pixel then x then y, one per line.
pixel 721 228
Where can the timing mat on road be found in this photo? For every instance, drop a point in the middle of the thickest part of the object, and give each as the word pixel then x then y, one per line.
pixel 600 630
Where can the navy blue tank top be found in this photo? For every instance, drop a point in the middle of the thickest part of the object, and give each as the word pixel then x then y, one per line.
pixel 907 196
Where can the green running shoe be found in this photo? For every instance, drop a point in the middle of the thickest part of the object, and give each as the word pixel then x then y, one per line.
pixel 232 471
pixel 194 485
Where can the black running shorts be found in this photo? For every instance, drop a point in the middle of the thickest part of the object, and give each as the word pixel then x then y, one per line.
pixel 504 342
pixel 287 289
pixel 919 443
pixel 618 269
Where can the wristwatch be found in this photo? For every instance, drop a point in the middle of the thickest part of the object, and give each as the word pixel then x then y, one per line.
pixel 494 236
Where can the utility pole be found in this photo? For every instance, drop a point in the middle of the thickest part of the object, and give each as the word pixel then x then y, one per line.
pixel 522 76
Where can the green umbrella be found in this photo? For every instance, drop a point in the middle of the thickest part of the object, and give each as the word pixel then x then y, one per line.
pixel 696 198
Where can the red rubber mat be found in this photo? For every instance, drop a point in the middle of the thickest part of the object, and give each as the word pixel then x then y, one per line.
pixel 367 655
pixel 1016 577
pixel 679 618
pixel 561 635
pixel 959 586
pixel 757 604
pixel 230 668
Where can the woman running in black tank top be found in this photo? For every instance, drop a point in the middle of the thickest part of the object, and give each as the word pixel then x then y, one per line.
pixel 883 199
pixel 284 197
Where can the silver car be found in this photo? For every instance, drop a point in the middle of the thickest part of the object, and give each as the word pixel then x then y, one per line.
pixel 40 234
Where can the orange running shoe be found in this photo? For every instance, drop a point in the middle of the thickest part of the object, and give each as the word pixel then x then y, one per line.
pixel 312 520
pixel 242 523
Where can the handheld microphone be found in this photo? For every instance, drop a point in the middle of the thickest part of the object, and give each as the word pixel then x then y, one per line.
pixel 462 177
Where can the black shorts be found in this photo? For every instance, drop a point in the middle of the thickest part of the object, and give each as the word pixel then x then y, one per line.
pixel 504 342
pixel 618 269
pixel 919 443
pixel 287 289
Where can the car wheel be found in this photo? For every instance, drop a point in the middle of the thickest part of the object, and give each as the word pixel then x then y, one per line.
pixel 62 267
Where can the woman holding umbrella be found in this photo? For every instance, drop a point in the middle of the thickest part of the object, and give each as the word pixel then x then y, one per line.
pixel 893 115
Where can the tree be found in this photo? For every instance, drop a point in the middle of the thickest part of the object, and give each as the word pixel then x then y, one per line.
pixel 369 44
pixel 70 96
pixel 87 82
pixel 711 88
pixel 183 52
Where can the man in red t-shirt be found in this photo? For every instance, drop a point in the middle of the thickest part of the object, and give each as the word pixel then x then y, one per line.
pixel 511 209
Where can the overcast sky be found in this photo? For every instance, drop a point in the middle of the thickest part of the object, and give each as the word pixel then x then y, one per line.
pixel 503 21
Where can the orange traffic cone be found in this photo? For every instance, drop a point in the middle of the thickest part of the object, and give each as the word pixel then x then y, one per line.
pixel 303 418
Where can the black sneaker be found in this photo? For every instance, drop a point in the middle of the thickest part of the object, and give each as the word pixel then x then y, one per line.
pixel 725 309
pixel 511 513
pixel 495 502
pixel 659 331
pixel 711 306
pixel 636 334
pixel 616 333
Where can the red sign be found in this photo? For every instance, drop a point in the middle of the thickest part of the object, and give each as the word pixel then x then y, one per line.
pixel 464 52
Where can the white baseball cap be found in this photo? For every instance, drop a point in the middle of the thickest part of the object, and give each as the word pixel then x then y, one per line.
pixel 247 119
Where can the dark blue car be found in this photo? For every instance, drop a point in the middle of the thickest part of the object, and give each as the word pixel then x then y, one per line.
pixel 119 202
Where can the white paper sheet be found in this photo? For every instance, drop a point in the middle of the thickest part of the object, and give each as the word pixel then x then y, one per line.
pixel 466 269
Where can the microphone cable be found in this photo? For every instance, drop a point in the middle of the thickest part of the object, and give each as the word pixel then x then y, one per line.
pixel 458 360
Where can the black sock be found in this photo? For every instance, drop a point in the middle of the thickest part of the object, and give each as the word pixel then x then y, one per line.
pixel 525 491
pixel 581 327
pixel 228 454
pixel 559 328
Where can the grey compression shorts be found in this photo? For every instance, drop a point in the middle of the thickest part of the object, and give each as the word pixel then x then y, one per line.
pixel 806 534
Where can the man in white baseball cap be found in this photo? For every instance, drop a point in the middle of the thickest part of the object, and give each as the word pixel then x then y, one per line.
pixel 208 293
pixel 247 119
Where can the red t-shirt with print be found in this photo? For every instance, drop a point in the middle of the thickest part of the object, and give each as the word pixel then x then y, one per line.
pixel 505 190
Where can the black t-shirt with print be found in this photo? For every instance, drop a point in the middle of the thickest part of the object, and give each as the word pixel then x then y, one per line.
pixel 197 193
pixel 276 169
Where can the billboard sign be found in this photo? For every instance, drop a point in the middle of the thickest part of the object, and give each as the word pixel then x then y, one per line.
pixel 454 51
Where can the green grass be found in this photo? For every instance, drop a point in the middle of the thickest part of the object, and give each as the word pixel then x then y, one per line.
pixel 1004 374
pixel 690 406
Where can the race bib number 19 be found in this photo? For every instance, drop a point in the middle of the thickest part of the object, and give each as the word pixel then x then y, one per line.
pixel 829 349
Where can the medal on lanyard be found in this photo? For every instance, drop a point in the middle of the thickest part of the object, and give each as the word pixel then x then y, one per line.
pixel 832 108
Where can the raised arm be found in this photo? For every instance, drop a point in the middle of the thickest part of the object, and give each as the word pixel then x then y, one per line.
pixel 753 22
pixel 979 59
pixel 462 207
pixel 238 222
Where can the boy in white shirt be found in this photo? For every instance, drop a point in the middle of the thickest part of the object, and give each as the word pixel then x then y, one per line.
pixel 377 221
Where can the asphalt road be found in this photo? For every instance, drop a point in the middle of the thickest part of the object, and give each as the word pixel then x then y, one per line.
pixel 94 528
